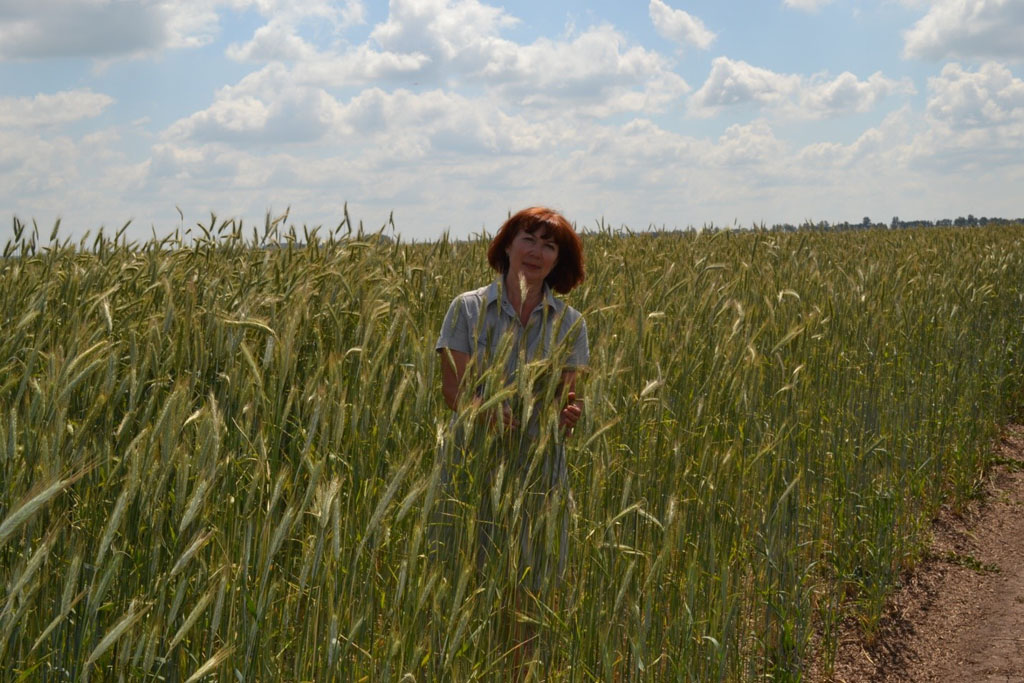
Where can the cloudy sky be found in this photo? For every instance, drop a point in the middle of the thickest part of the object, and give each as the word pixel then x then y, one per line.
pixel 450 113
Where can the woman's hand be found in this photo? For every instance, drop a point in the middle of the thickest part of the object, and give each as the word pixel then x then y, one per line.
pixel 499 419
pixel 503 419
pixel 570 414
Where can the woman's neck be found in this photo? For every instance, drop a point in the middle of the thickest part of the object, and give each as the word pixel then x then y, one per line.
pixel 524 296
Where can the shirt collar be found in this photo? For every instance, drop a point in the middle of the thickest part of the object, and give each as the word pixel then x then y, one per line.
pixel 495 287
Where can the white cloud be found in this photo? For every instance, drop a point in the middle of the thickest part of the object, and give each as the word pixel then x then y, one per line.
pixel 422 149
pixel 876 149
pixel 450 44
pixel 642 142
pixel 406 124
pixel 596 72
pixel 735 83
pixel 276 40
pixel 30 166
pixel 55 168
pixel 361 66
pixel 270 108
pixel 339 12
pixel 446 160
pixel 806 5
pixel 990 96
pixel 215 165
pixel 679 26
pixel 975 121
pixel 746 145
pixel 49 110
pixel 442 29
pixel 968 29
pixel 103 29
pixel 454 108
pixel 31 29
pixel 280 38
pixel 447 115
pixel 264 108
pixel 189 23
pixel 973 126
pixel 846 93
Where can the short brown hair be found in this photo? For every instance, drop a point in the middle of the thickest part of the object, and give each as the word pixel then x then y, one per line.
pixel 568 271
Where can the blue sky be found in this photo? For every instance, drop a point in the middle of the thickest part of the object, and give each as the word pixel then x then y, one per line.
pixel 451 113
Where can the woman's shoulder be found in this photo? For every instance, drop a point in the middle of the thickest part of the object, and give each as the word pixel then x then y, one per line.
pixel 568 317
pixel 562 308
pixel 476 296
pixel 478 292
pixel 474 302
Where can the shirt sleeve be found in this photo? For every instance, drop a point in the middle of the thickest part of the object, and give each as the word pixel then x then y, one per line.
pixel 580 355
pixel 455 329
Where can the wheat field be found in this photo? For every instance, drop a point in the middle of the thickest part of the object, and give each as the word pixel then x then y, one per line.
pixel 219 454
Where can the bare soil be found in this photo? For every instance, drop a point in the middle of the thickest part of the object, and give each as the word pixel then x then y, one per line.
pixel 960 615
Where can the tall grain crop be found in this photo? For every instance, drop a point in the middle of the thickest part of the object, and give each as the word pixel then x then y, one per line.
pixel 219 457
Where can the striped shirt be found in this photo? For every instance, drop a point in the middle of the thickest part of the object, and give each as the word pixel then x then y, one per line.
pixel 477 322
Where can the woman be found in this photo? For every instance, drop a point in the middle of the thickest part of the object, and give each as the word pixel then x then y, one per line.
pixel 510 352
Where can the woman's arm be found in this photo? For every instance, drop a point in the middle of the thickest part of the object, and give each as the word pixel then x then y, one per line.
pixel 453 368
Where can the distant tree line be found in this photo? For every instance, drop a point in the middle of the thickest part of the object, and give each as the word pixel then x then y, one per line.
pixel 970 221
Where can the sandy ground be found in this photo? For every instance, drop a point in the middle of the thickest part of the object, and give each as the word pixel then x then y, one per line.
pixel 960 617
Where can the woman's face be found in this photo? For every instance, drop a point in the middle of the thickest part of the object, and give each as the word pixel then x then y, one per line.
pixel 533 255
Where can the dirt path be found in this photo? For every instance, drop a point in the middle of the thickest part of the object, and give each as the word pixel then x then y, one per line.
pixel 961 616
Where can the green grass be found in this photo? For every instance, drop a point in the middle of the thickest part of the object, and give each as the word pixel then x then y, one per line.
pixel 221 459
